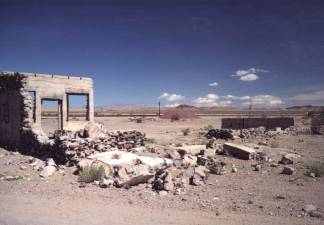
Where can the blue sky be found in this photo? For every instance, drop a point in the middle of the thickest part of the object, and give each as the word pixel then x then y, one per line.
pixel 268 53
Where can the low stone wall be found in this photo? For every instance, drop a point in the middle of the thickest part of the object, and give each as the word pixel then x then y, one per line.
pixel 268 123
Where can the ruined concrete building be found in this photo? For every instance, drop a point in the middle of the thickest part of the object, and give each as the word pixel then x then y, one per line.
pixel 21 98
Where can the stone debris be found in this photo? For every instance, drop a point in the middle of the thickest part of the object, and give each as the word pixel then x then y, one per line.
pixel 239 151
pixel 234 169
pixel 170 180
pixel 288 170
pixel 260 132
pixel 257 167
pixel 11 178
pixel 313 211
pixel 191 149
pixel 287 159
pixel 199 176
pixel 219 134
pixel 47 171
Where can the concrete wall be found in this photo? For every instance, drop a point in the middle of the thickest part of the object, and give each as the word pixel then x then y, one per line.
pixel 58 87
pixel 245 123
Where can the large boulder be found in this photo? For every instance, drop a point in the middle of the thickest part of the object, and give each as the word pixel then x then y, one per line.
pixel 93 130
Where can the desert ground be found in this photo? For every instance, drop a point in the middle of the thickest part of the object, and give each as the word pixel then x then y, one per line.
pixel 248 196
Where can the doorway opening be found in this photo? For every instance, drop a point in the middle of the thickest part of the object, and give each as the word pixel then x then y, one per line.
pixel 51 116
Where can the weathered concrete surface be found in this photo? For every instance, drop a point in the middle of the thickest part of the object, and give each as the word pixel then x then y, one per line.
pixel 239 151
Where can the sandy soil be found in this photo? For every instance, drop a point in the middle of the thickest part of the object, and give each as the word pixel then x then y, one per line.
pixel 245 197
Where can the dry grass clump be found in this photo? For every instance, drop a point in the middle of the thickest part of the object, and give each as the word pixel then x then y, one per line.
pixel 208 127
pixel 175 117
pixel 274 144
pixel 150 141
pixel 185 132
pixel 91 173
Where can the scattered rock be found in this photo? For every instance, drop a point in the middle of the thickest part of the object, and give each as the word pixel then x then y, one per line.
pixel 50 162
pixel 82 185
pixel 258 167
pixel 106 182
pixel 163 193
pixel 191 149
pixel 287 159
pixel 22 167
pixel 288 170
pixel 316 214
pixel 47 171
pixel 313 175
pixel 309 208
pixel 234 169
pixel 12 178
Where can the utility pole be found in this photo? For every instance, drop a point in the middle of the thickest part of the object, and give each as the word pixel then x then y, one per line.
pixel 250 109
pixel 159 109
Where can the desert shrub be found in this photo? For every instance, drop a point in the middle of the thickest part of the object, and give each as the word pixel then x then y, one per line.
pixel 150 141
pixel 178 145
pixel 208 127
pixel 316 167
pixel 91 173
pixel 274 144
pixel 175 117
pixel 185 132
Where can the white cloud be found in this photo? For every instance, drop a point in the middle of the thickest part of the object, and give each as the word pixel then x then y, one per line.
pixel 171 97
pixel 264 100
pixel 172 105
pixel 249 77
pixel 258 100
pixel 175 97
pixel 214 84
pixel 212 96
pixel 225 103
pixel 249 74
pixel 210 100
pixel 237 97
pixel 313 96
pixel 164 95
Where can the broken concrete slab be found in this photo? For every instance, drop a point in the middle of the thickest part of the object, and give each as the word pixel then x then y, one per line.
pixel 118 158
pixel 239 151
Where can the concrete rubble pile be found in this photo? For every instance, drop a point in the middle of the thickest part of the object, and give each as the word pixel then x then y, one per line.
pixel 71 146
pixel 260 132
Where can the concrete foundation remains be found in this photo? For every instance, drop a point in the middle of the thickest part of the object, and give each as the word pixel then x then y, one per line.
pixel 268 123
pixel 21 96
